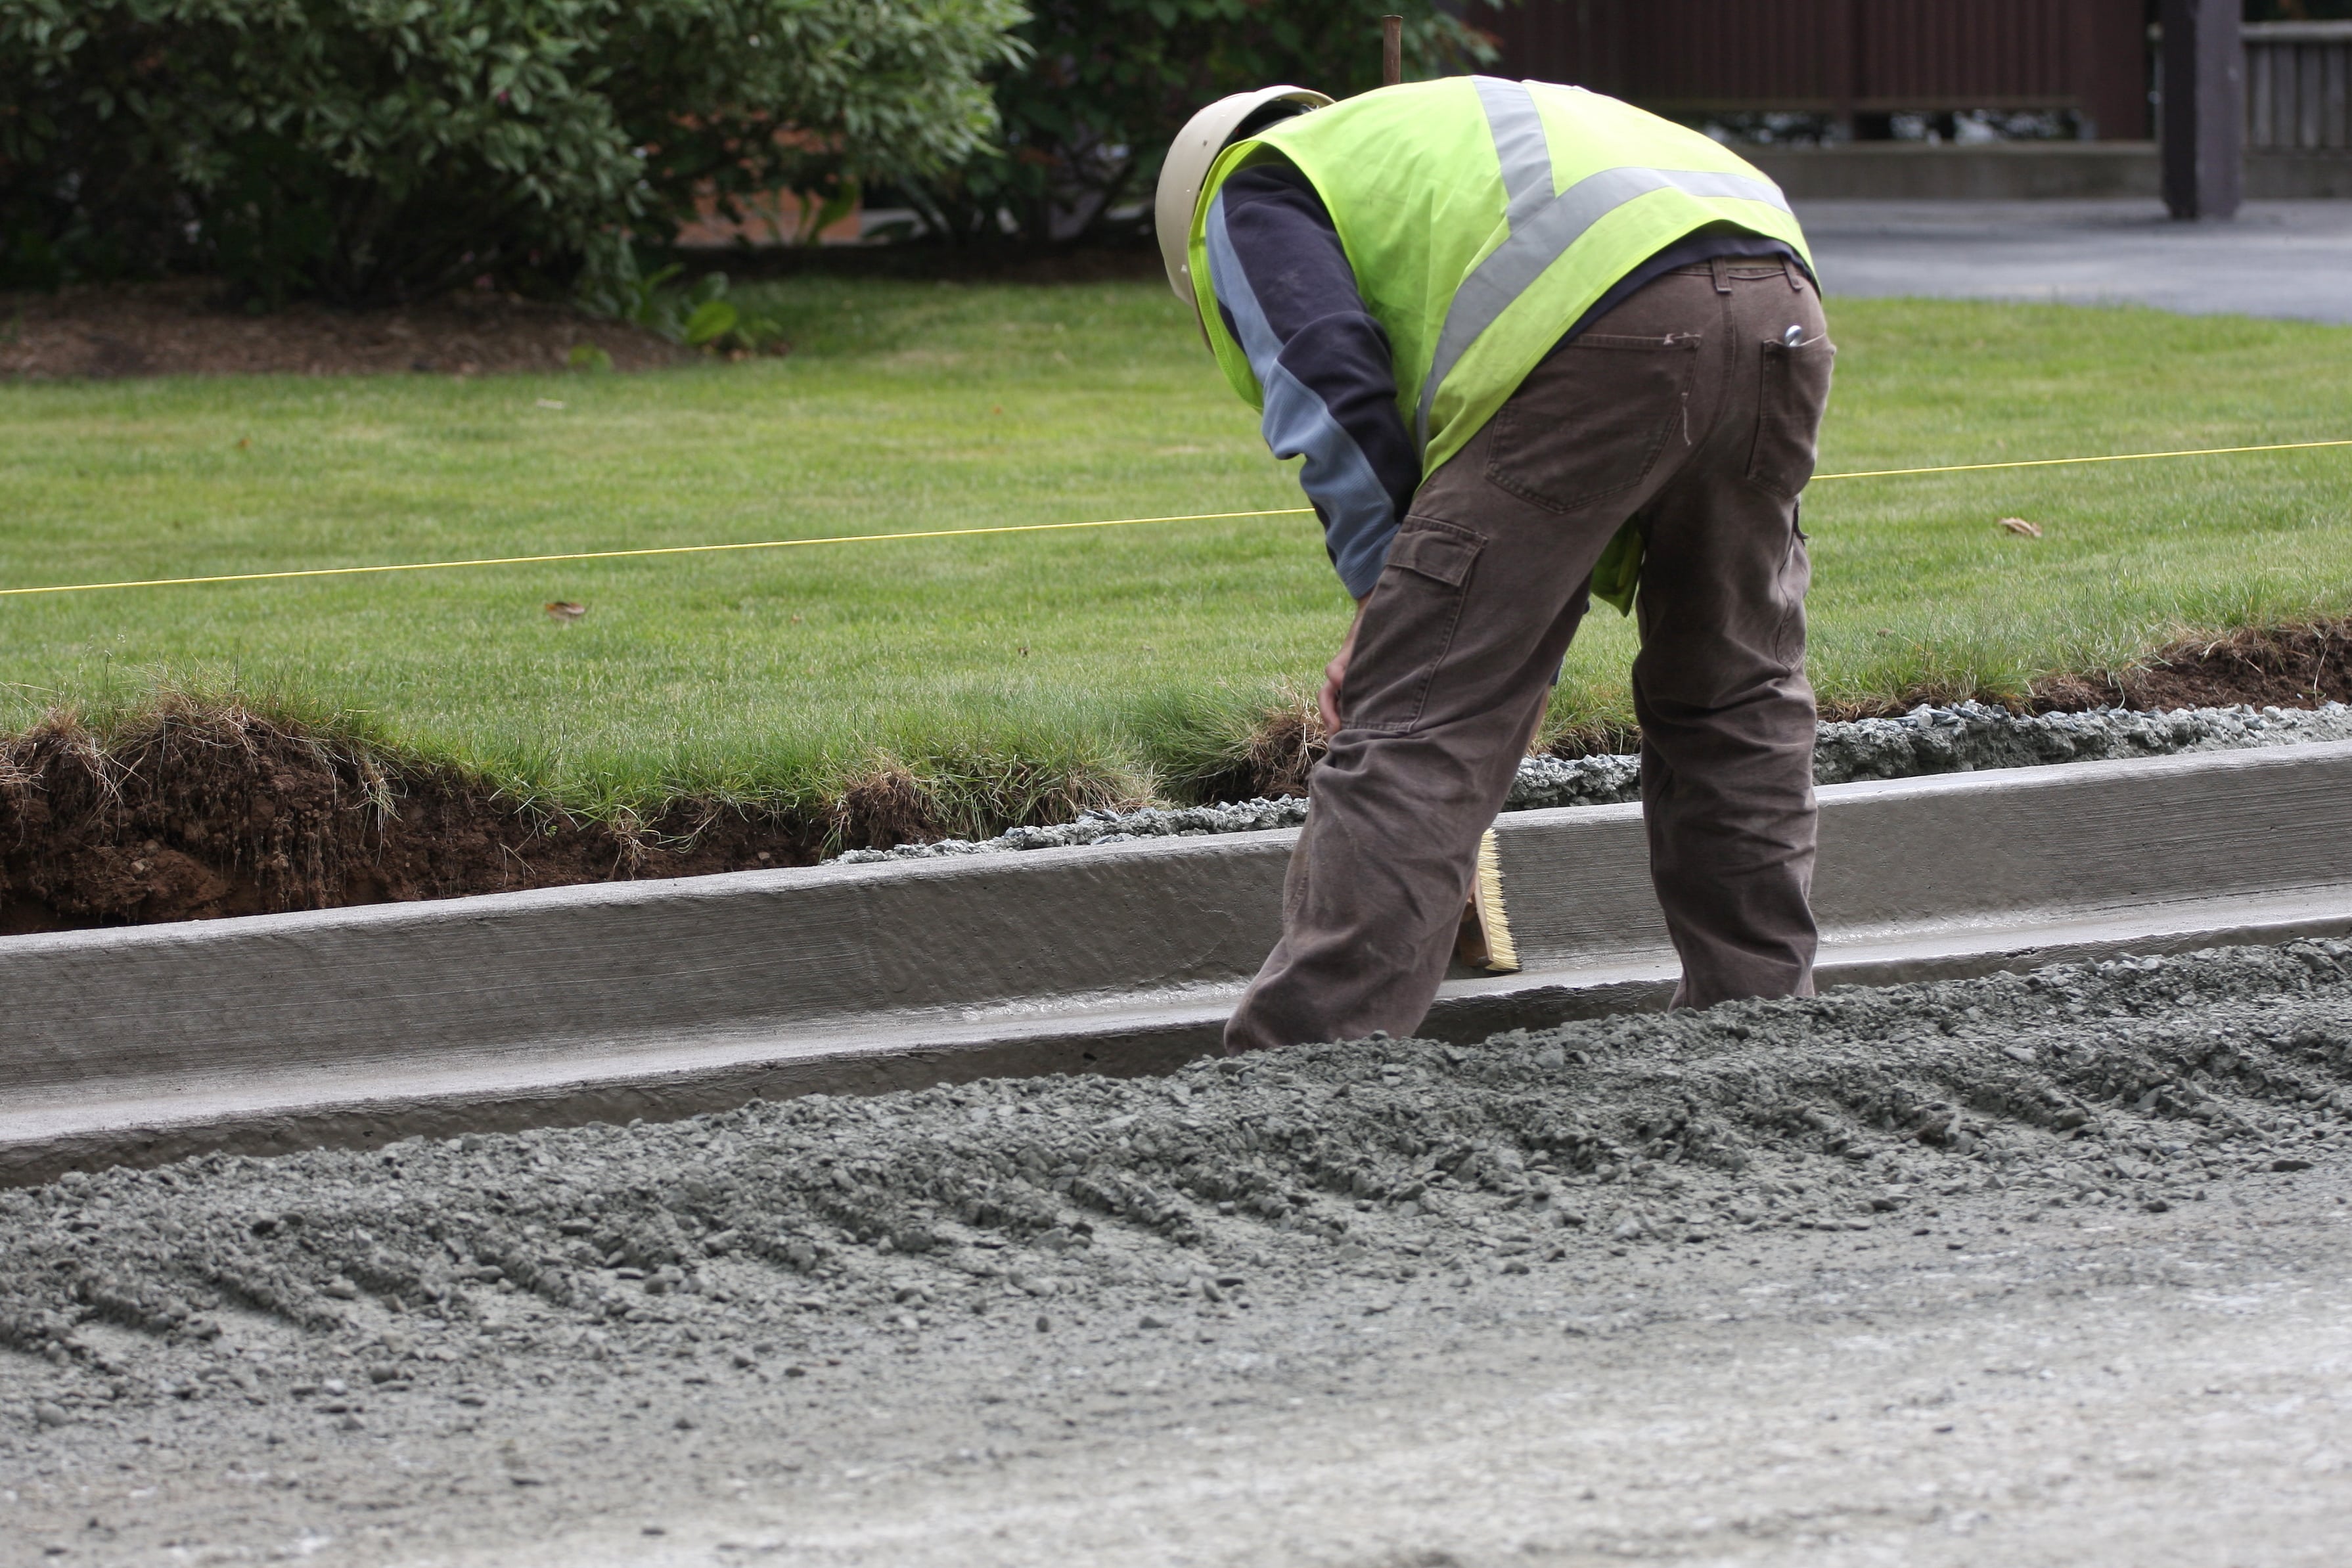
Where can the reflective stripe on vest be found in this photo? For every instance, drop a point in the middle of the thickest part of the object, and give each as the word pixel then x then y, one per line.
pixel 1520 145
pixel 1544 238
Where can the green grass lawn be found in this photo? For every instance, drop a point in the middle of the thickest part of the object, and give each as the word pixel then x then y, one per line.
pixel 1111 653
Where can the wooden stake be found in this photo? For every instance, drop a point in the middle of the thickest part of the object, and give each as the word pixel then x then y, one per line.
pixel 1391 50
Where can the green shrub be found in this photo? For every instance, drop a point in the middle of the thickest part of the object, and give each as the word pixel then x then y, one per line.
pixel 367 149
pixel 1088 118
pixel 699 314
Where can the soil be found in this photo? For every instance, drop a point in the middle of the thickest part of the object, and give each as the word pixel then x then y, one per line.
pixel 182 328
pixel 194 812
pixel 2295 666
pixel 2041 1269
pixel 189 326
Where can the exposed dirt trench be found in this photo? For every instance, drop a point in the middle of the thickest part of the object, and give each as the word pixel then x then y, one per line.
pixel 195 811
pixel 477 1337
pixel 198 812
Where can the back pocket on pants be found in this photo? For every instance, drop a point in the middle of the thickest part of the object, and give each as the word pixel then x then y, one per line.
pixel 1795 390
pixel 1590 422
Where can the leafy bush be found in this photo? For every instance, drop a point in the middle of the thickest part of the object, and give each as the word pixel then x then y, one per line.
pixel 700 315
pixel 1088 119
pixel 364 150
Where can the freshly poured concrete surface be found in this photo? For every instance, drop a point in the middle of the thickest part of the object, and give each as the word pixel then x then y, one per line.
pixel 2040 1270
pixel 2127 1400
pixel 664 999
pixel 2291 260
pixel 2134 1392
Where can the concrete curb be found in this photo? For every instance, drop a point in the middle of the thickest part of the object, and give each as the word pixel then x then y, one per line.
pixel 665 998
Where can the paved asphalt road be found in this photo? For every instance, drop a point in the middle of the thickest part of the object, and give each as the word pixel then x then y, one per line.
pixel 2275 258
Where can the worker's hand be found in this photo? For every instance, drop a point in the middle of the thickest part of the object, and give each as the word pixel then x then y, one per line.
pixel 1335 675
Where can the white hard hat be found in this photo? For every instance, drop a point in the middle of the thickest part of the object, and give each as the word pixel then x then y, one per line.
pixel 1196 147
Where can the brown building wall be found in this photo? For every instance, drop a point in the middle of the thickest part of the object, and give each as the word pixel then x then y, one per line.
pixel 1842 56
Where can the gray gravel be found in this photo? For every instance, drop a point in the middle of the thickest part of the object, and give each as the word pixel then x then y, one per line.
pixel 1956 739
pixel 2132 1082
pixel 1971 737
pixel 437 1335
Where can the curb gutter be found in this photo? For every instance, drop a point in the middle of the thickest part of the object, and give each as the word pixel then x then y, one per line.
pixel 663 999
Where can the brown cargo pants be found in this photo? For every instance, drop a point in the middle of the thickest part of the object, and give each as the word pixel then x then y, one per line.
pixel 1687 409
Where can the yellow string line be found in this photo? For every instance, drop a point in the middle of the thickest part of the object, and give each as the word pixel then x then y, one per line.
pixel 1035 528
pixel 2054 462
pixel 662 549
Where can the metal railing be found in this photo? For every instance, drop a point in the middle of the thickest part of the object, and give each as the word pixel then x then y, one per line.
pixel 2299 86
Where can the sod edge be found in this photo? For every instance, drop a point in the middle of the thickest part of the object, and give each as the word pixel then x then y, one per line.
pixel 192 809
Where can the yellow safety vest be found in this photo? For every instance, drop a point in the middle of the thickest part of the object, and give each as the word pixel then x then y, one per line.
pixel 1483 218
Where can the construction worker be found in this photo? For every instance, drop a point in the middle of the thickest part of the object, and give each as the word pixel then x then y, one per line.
pixel 1533 345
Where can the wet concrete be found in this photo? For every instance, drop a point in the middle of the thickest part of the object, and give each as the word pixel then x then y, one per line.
pixel 2049 1268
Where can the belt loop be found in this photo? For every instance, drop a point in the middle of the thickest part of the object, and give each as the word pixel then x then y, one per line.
pixel 1796 278
pixel 1722 265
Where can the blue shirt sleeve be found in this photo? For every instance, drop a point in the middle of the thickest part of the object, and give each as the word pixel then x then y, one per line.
pixel 1288 297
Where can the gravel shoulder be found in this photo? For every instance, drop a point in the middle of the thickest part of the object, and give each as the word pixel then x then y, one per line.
pixel 2050 1268
pixel 1965 737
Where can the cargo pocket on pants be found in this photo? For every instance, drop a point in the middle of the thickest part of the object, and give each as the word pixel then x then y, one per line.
pixel 1795 390
pixel 1408 625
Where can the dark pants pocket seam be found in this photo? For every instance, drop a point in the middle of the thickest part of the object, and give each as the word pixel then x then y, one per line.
pixel 1508 419
pixel 1428 676
pixel 1786 446
pixel 1496 477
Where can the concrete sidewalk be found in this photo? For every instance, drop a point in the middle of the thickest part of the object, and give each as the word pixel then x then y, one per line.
pixel 2291 260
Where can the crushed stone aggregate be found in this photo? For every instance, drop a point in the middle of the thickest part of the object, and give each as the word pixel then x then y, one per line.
pixel 1960 739
pixel 780 1240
